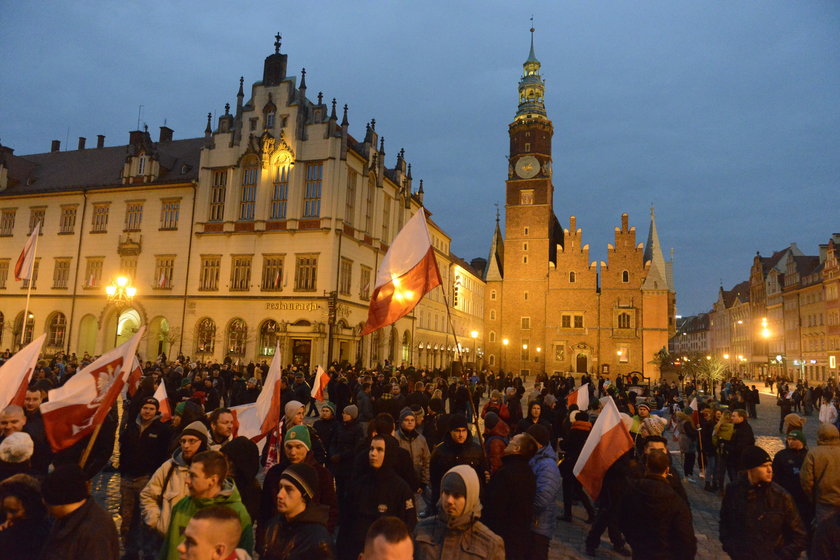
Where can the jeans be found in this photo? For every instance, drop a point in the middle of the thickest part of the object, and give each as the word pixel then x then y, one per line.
pixel 136 537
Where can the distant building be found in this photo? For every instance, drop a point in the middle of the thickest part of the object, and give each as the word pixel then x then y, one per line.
pixel 692 336
pixel 547 307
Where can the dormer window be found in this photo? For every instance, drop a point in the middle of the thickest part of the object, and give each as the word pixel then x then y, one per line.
pixel 269 120
pixel 141 165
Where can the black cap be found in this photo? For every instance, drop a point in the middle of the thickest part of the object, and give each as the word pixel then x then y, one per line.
pixel 753 456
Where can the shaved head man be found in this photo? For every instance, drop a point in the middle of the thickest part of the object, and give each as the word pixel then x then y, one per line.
pixel 211 534
pixel 13 420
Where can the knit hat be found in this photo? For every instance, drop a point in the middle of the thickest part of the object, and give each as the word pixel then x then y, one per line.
pixel 436 405
pixel 753 456
pixel 16 448
pixel 252 380
pixel 330 405
pixel 457 421
pixel 292 408
pixel 549 400
pixel 495 395
pixel 152 401
pixel 65 485
pixel 405 413
pixel 798 434
pixel 539 433
pixel 179 408
pixel 491 420
pixel 794 422
pixel 197 429
pixel 299 433
pixel 452 483
pixel 643 405
pixel 352 411
pixel 185 381
pixel 303 477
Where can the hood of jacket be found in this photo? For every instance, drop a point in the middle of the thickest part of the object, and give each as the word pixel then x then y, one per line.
pixel 500 429
pixel 546 453
pixel 472 508
pixel 245 456
pixel 827 434
pixel 228 495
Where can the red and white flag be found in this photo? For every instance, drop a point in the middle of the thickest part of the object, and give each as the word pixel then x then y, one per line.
pixel 17 371
pixel 579 397
pixel 75 409
pixel 320 383
pixel 608 440
pixel 695 414
pixel 162 282
pixel 26 260
pixel 134 377
pixel 256 420
pixel 165 408
pixel 408 272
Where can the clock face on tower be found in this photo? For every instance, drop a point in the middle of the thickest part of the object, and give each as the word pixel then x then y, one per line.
pixel 527 167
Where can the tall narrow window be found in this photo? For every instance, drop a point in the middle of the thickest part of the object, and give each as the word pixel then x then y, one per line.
pixel 248 195
pixel 350 203
pixel 4 273
pixel 99 220
pixel 623 320
pixel 306 273
pixel 312 191
pixel 37 216
pixel 209 276
pixel 67 222
pixel 93 271
pixel 281 193
pixel 141 165
pixel 272 274
pixel 240 273
pixel 7 221
pixel 369 198
pixel 205 339
pixel 164 271
pixel 364 283
pixel 35 267
pixel 217 195
pixel 61 272
pixel 625 276
pixel 56 329
pixel 386 219
pixel 237 337
pixel 526 323
pixel 345 276
pixel 133 215
pixel 269 120
pixel 170 209
pixel 572 277
pixel 128 266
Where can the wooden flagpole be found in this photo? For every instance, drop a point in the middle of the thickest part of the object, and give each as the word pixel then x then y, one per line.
pixel 29 285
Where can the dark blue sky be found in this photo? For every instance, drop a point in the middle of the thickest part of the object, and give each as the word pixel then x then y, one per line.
pixel 724 115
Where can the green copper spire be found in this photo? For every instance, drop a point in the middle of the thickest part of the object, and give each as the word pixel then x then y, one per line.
pixel 531 87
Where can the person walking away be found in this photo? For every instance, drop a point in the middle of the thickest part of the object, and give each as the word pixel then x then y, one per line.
pixel 787 466
pixel 820 474
pixel 742 438
pixel 548 484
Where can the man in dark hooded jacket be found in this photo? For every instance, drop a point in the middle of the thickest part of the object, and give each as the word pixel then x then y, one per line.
pixel 457 448
pixel 378 491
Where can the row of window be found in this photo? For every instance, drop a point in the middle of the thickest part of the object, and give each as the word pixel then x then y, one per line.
pixel 572 321
pixel 56 329
pixel 170 211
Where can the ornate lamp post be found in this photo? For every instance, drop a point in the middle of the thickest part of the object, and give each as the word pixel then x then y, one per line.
pixel 474 336
pixel 505 343
pixel 120 292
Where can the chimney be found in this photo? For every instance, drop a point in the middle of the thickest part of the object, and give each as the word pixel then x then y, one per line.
pixel 166 134
pixel 82 141
pixel 56 146
pixel 135 137
pixel 100 140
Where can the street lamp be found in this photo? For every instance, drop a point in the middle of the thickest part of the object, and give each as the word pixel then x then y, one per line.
pixel 505 343
pixel 120 292
pixel 537 358
pixel 474 336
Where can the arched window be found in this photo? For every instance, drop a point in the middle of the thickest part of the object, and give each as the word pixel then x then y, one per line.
pixel 491 359
pixel 491 336
pixel 492 314
pixel 56 330
pixel 205 340
pixel 268 338
pixel 30 328
pixel 624 321
pixel 572 277
pixel 625 276
pixel 375 342
pixel 493 294
pixel 237 337
pixel 406 347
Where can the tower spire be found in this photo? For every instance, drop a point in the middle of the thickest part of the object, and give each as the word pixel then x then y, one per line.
pixel 531 87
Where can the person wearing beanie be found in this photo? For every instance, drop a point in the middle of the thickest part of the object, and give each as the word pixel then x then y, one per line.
pixel 348 435
pixel 15 454
pixel 144 446
pixel 497 406
pixel 456 533
pixel 758 518
pixel 168 484
pixel 326 424
pixel 496 438
pixel 457 448
pixel 548 484
pixel 787 464
pixel 82 529
pixel 294 413
pixel 299 530
pixel 820 475
pixel 415 443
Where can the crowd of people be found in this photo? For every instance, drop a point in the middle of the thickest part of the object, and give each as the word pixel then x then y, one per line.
pixel 407 463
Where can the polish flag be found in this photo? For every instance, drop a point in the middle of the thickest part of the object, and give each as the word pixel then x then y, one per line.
pixel 321 380
pixel 408 272
pixel 17 371
pixel 162 283
pixel 74 410
pixel 607 441
pixel 579 397
pixel 165 408
pixel 695 414
pixel 256 420
pixel 26 260
pixel 134 377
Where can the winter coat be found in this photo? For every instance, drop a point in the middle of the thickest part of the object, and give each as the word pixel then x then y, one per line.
pixel 326 431
pixel 509 503
pixel 25 538
pixel 143 450
pixel 157 501
pixel 365 404
pixel 495 441
pixel 787 466
pixel 188 506
pixel 742 437
pixel 418 449
pixel 825 544
pixel 820 475
pixel 343 447
pixel 656 523
pixel 304 537
pixel 573 445
pixel 499 408
pixel 549 482
pixel 760 522
pixel 448 454
pixel 89 533
pixel 433 540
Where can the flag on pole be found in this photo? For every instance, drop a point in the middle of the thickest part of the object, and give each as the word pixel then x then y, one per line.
pixel 608 440
pixel 165 408
pixel 695 414
pixel 579 397
pixel 408 272
pixel 321 380
pixel 26 260
pixel 256 420
pixel 17 371
pixel 134 378
pixel 162 283
pixel 75 409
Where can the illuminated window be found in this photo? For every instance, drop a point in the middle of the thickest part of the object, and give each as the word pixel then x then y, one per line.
pixel 209 275
pixel 240 273
pixel 205 340
pixel 248 194
pixel 99 220
pixel 281 193
pixel 217 195
pixel 312 192
pixel 306 273
pixel 272 275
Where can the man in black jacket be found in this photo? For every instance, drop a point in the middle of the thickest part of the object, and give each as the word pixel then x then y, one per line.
pixel 143 448
pixel 742 438
pixel 457 448
pixel 509 500
pixel 656 523
pixel 758 518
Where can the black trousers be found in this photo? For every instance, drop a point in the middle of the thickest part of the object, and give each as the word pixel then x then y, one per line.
pixel 572 490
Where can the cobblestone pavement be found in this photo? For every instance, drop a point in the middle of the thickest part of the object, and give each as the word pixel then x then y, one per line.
pixel 568 542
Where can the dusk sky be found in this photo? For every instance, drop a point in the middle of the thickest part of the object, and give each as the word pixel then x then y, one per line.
pixel 725 115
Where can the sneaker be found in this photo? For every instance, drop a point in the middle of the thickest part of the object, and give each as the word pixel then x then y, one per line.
pixel 690 479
